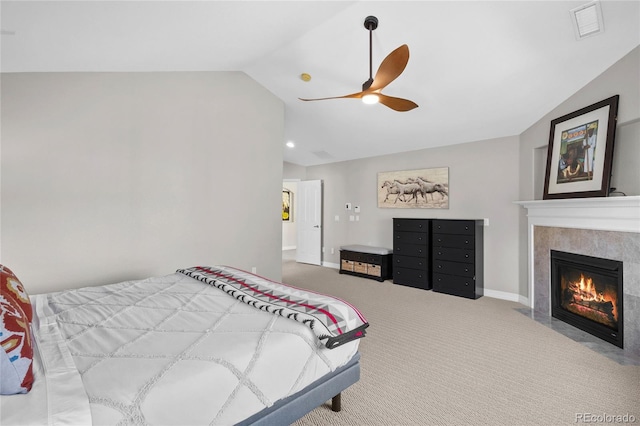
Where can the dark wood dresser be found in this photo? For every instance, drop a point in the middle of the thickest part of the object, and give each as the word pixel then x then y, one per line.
pixel 411 260
pixel 458 257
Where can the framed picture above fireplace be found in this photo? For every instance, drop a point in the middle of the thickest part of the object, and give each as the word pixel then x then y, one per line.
pixel 580 152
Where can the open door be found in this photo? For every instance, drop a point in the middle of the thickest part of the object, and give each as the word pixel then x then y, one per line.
pixel 309 216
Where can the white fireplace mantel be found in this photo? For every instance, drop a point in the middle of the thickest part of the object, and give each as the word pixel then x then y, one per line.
pixel 620 214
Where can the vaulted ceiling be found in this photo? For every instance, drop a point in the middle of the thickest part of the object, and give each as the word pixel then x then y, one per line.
pixel 477 69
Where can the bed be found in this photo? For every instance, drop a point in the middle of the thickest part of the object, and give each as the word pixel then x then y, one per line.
pixel 204 345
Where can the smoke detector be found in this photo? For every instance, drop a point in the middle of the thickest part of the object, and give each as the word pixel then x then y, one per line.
pixel 587 19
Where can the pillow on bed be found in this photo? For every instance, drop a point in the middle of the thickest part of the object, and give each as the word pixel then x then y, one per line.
pixel 10 284
pixel 16 356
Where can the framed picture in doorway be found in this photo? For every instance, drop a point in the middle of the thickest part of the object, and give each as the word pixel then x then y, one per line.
pixel 286 205
pixel 580 152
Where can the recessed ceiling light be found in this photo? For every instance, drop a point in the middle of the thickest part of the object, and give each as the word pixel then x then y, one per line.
pixel 587 19
pixel 305 77
pixel 291 144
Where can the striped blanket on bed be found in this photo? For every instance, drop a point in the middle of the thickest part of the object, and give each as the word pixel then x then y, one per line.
pixel 333 320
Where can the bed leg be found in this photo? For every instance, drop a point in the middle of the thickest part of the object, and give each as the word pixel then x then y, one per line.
pixel 336 403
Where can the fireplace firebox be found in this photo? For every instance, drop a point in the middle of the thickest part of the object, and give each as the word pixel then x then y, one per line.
pixel 586 292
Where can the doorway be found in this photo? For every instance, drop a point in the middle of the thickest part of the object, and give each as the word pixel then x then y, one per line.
pixel 302 232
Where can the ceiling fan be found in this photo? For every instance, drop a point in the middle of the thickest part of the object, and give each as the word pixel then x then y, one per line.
pixel 390 68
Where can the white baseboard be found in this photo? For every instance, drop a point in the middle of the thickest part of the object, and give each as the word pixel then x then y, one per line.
pixel 331 265
pixel 524 300
pixel 512 297
pixel 289 248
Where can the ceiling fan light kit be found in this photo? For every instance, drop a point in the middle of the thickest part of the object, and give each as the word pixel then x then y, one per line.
pixel 390 68
pixel 371 99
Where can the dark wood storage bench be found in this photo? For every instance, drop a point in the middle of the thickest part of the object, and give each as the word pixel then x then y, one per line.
pixel 366 261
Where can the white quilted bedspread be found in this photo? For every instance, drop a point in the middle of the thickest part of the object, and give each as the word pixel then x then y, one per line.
pixel 165 350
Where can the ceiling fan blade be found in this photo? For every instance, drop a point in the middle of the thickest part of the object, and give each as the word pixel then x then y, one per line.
pixel 391 67
pixel 353 95
pixel 397 104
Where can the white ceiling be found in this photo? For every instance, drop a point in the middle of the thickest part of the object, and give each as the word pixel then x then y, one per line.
pixel 477 70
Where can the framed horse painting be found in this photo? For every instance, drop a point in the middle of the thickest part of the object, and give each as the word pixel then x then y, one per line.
pixel 411 189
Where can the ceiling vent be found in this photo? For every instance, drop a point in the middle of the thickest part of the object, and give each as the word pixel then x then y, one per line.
pixel 323 155
pixel 587 20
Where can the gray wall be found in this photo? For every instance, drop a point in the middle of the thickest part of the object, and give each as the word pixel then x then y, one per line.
pixel 483 183
pixel 115 176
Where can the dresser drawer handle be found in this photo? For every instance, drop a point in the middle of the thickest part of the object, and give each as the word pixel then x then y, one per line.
pixel 466 269
pixel 466 256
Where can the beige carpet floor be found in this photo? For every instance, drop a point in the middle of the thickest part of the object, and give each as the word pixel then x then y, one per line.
pixel 435 359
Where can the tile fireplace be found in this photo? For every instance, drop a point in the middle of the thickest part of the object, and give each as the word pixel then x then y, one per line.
pixel 600 227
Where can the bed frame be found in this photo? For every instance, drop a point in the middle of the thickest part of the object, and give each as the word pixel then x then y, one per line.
pixel 290 409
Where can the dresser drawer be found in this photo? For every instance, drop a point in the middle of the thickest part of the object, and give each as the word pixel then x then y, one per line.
pixel 453 268
pixel 404 249
pixel 459 286
pixel 371 258
pixel 411 225
pixel 464 227
pixel 453 254
pixel 455 241
pixel 351 255
pixel 361 257
pixel 412 278
pixel 410 237
pixel 410 262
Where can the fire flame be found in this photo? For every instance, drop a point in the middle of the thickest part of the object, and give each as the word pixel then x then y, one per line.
pixel 584 293
pixel 588 290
